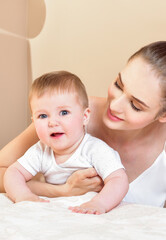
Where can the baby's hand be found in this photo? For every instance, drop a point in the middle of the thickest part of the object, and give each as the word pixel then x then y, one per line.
pixel 90 207
pixel 30 197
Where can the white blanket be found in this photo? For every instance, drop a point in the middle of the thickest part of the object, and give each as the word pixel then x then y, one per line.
pixel 53 221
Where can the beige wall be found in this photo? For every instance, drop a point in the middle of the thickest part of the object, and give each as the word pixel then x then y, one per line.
pixel 94 38
pixel 13 69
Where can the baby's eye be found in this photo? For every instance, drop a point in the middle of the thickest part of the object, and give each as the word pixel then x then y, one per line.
pixel 63 112
pixel 42 116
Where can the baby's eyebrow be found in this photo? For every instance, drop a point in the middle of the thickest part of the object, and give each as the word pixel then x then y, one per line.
pixel 40 111
pixel 63 107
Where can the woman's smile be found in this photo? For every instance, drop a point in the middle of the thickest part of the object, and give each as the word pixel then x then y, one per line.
pixel 113 117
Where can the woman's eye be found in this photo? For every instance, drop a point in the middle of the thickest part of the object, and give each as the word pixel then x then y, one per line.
pixel 63 112
pixel 117 85
pixel 134 107
pixel 43 116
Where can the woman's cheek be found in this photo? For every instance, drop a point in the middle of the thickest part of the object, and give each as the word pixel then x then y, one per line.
pixel 110 91
pixel 113 92
pixel 138 121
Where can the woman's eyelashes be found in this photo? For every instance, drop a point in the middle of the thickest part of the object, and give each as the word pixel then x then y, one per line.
pixel 132 104
pixel 117 85
pixel 134 107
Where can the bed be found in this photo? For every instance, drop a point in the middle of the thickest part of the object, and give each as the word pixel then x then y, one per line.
pixel 53 220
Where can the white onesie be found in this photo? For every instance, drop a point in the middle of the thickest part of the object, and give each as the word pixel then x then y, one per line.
pixel 150 187
pixel 92 152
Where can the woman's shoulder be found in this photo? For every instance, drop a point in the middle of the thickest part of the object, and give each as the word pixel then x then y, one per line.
pixel 96 102
pixel 97 106
pixel 162 135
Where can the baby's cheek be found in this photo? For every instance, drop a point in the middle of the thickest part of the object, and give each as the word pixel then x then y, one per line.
pixel 40 131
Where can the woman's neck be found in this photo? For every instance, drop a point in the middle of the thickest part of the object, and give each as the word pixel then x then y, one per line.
pixel 124 137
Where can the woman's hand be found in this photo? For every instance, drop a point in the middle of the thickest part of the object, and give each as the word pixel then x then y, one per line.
pixel 83 181
pixel 80 182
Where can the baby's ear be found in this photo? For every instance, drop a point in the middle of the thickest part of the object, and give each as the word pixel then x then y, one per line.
pixel 86 116
pixel 32 119
pixel 162 118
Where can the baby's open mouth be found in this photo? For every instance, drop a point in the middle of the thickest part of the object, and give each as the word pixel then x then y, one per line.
pixel 58 134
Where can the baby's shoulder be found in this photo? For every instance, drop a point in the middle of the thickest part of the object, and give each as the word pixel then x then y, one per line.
pixel 95 143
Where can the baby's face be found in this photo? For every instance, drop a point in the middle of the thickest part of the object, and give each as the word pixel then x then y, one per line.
pixel 59 120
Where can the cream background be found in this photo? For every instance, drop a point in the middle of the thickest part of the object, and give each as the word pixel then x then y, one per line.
pixel 91 38
pixel 13 69
pixel 94 38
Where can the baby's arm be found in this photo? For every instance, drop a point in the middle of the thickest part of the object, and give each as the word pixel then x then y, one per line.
pixel 115 188
pixel 15 185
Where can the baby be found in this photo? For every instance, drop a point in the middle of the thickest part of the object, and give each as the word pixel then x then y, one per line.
pixel 60 112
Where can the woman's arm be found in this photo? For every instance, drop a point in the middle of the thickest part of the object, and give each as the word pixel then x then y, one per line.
pixel 15 149
pixel 18 146
pixel 78 183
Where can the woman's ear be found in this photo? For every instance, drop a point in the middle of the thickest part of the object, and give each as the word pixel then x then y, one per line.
pixel 86 116
pixel 162 118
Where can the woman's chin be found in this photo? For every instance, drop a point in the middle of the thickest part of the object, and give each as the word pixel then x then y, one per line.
pixel 112 123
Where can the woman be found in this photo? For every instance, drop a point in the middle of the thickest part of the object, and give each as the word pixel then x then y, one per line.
pixel 132 120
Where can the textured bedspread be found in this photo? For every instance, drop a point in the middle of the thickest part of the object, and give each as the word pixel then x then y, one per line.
pixel 53 221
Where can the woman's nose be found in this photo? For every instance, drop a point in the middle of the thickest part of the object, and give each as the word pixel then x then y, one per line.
pixel 117 104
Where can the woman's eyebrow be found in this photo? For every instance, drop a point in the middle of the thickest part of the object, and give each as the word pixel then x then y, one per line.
pixel 120 79
pixel 138 100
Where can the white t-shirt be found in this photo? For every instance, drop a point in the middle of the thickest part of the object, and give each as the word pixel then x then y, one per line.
pixel 92 152
pixel 150 187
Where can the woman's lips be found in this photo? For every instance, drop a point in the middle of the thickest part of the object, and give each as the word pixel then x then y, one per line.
pixel 113 117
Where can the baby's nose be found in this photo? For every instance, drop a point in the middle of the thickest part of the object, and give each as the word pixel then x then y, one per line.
pixel 53 122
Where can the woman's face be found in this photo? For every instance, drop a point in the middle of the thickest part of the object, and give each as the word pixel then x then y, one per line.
pixel 133 98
